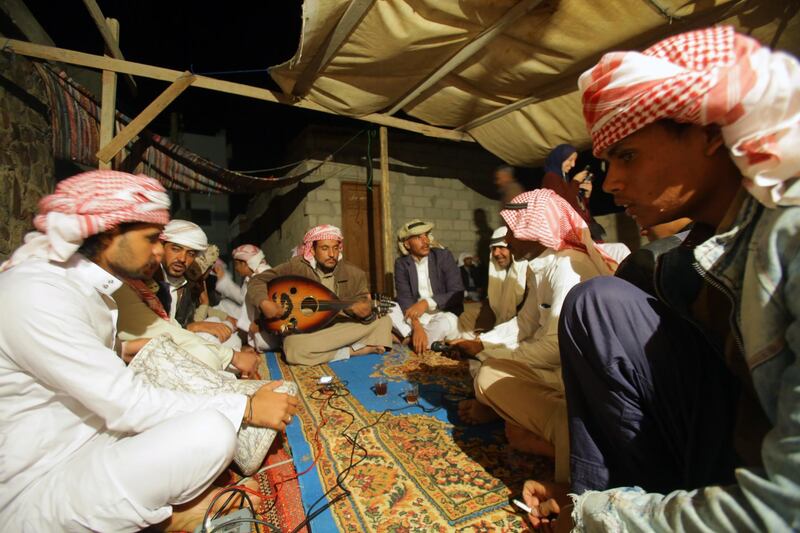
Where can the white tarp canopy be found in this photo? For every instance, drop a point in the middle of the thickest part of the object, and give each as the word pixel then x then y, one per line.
pixel 503 71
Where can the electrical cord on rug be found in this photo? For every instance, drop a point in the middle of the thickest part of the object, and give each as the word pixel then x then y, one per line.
pixel 327 393
pixel 232 492
pixel 339 390
pixel 274 498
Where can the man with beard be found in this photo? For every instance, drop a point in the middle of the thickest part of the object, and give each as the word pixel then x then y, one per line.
pixel 357 330
pixel 520 380
pixel 504 295
pixel 87 445
pixel 141 315
pixel 183 242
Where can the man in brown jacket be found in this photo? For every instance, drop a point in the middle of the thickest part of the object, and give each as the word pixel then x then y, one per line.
pixel 356 331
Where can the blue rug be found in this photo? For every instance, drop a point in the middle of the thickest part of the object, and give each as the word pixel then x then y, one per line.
pixel 424 470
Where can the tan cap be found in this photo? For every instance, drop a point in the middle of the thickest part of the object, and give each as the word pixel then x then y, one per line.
pixel 202 263
pixel 413 227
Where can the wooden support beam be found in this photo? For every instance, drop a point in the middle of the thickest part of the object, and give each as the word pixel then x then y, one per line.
pixel 21 16
pixel 352 16
pixel 112 42
pixel 160 73
pixel 511 16
pixel 108 103
pixel 107 152
pixel 386 209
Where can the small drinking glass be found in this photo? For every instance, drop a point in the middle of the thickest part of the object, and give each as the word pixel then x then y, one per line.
pixel 412 393
pixel 380 387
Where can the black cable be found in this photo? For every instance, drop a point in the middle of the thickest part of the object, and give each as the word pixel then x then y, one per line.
pixel 234 490
pixel 329 393
pixel 254 521
pixel 339 390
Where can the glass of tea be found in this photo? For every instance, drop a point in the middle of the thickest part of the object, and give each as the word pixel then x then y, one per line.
pixel 412 393
pixel 380 387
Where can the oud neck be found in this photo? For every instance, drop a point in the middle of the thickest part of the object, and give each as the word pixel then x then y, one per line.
pixel 336 305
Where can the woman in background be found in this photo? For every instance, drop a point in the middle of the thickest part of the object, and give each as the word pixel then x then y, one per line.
pixel 575 190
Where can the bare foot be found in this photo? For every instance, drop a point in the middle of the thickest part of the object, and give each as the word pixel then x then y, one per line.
pixel 473 412
pixel 367 350
pixel 526 441
pixel 187 516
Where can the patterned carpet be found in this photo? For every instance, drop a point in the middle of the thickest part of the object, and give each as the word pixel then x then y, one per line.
pixel 421 469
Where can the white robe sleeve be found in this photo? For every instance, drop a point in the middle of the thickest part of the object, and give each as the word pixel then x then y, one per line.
pixel 60 347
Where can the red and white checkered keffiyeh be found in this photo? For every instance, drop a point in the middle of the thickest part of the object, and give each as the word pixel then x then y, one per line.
pixel 146 294
pixel 88 204
pixel 325 232
pixel 253 256
pixel 710 76
pixel 543 216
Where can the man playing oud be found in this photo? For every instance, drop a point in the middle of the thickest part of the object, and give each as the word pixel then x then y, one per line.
pixel 356 331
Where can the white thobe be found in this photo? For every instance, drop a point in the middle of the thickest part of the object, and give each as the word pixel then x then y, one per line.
pixel 261 340
pixel 84 443
pixel 549 278
pixel 232 294
pixel 438 325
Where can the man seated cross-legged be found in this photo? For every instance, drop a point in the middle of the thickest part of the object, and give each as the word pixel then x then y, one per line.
pixel 684 403
pixel 520 381
pixel 87 445
pixel 356 331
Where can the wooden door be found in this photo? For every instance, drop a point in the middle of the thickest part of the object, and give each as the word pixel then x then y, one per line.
pixel 363 231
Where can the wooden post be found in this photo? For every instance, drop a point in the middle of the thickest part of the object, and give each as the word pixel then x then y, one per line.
pixel 109 150
pixel 107 32
pixel 108 106
pixel 157 73
pixel 386 208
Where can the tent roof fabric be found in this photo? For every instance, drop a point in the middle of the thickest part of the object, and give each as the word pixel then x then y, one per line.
pixel 519 56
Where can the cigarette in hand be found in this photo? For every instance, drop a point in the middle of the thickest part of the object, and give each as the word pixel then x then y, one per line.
pixel 521 505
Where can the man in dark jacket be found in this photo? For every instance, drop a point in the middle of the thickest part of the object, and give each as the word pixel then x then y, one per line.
pixel 429 289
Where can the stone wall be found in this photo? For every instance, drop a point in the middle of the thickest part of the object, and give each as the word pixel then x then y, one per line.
pixel 27 169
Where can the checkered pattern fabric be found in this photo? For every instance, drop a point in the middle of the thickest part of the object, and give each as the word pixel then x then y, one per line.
pixel 252 255
pixel 325 232
pixel 88 204
pixel 710 76
pixel 543 216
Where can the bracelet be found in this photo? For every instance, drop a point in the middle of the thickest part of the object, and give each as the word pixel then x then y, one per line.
pixel 248 413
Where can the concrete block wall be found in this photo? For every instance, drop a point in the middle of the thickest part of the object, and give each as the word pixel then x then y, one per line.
pixel 446 202
pixel 27 168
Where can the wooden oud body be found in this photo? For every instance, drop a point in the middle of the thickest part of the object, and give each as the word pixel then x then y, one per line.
pixel 307 305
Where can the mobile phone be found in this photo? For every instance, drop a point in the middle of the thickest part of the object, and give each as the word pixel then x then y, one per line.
pixel 589 176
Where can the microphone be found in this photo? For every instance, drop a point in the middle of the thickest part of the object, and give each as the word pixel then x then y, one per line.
pixel 444 348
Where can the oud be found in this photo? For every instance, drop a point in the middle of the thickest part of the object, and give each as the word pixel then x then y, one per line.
pixel 309 306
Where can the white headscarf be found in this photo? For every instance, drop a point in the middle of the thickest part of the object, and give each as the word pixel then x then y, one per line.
pixel 253 256
pixel 506 286
pixel 185 233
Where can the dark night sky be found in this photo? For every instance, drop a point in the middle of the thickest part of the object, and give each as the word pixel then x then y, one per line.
pixel 220 36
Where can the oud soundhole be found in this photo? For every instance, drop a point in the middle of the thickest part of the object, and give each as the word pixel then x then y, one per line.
pixel 309 306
